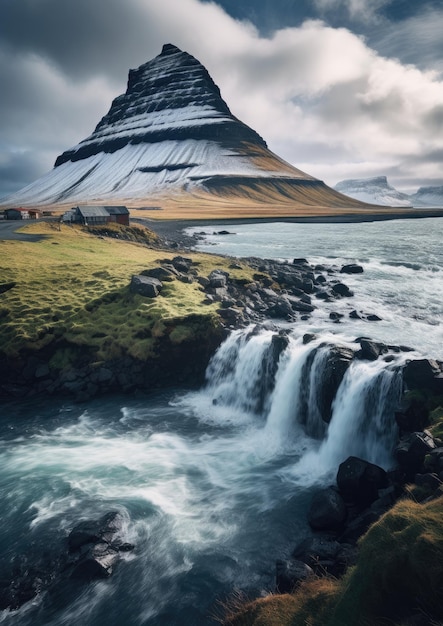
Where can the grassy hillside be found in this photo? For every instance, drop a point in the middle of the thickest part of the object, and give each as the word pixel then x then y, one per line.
pixel 398 574
pixel 74 286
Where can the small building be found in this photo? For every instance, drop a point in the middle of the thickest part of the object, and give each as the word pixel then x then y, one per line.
pixel 94 215
pixel 91 215
pixel 119 214
pixel 22 214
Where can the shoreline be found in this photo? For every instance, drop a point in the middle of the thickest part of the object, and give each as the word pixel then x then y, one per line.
pixel 174 229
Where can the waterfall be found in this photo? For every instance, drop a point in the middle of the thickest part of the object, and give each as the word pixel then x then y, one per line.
pixel 239 373
pixel 318 392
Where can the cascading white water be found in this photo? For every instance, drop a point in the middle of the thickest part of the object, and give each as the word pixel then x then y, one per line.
pixel 362 422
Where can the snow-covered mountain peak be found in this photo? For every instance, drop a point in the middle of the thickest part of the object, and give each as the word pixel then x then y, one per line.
pixel 375 190
pixel 171 138
pixel 170 97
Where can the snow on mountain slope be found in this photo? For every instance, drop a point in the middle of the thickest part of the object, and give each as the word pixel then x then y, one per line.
pixel 172 135
pixel 428 197
pixel 375 190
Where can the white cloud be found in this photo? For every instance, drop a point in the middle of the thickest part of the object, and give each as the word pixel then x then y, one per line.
pixel 358 10
pixel 320 96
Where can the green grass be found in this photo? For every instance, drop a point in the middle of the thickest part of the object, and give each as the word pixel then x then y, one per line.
pixel 73 288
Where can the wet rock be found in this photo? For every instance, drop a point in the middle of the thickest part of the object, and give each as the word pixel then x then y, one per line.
pixel 145 286
pixel 336 364
pixel 423 374
pixel 320 279
pixel 342 290
pixel 413 414
pixel 94 547
pixel 300 305
pixel 326 556
pixel 359 481
pixel 351 268
pixel 370 350
pixel 281 309
pixel 412 450
pixel 356 527
pixel 308 337
pixel 290 573
pixel 335 317
pixel 327 510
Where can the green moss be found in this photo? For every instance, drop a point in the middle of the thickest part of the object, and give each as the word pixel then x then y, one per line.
pixel 77 293
pixel 436 422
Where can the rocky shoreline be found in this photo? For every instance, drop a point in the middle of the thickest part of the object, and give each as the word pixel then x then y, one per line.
pixel 279 292
pixel 340 514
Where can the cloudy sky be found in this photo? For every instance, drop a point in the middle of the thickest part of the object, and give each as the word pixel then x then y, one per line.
pixel 339 88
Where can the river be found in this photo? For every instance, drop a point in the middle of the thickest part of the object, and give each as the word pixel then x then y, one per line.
pixel 214 484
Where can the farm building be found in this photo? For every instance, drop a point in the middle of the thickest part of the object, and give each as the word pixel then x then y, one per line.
pixel 93 215
pixel 119 214
pixel 22 214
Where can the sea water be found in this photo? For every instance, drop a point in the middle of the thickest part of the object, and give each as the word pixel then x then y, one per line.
pixel 214 485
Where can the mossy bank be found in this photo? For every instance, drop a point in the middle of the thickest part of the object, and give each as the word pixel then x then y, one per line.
pixel 70 324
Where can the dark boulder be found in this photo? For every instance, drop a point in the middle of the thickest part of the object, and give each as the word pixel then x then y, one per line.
pixel 161 273
pixel 217 279
pixel 336 364
pixel 94 547
pixel 412 450
pixel 326 556
pixel 327 510
pixel 359 481
pixel 182 264
pixel 270 361
pixel 300 305
pixel 413 414
pixel 335 317
pixel 282 308
pixel 145 286
pixel 342 290
pixel 351 268
pixel 290 573
pixel 356 527
pixel 370 350
pixel 423 374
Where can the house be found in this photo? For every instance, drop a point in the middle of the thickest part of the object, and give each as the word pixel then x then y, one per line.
pixel 119 214
pixel 94 215
pixel 91 215
pixel 22 214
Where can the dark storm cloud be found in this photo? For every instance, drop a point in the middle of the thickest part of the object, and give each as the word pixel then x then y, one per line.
pixel 16 170
pixel 318 93
pixel 416 40
pixel 81 37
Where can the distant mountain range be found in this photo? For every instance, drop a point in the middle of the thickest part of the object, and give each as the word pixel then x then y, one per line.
pixel 378 191
pixel 171 139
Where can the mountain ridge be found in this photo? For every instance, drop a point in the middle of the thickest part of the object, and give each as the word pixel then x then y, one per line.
pixel 171 140
pixel 376 190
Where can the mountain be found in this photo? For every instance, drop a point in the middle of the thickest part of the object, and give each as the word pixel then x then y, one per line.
pixel 428 197
pixel 375 190
pixel 171 140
